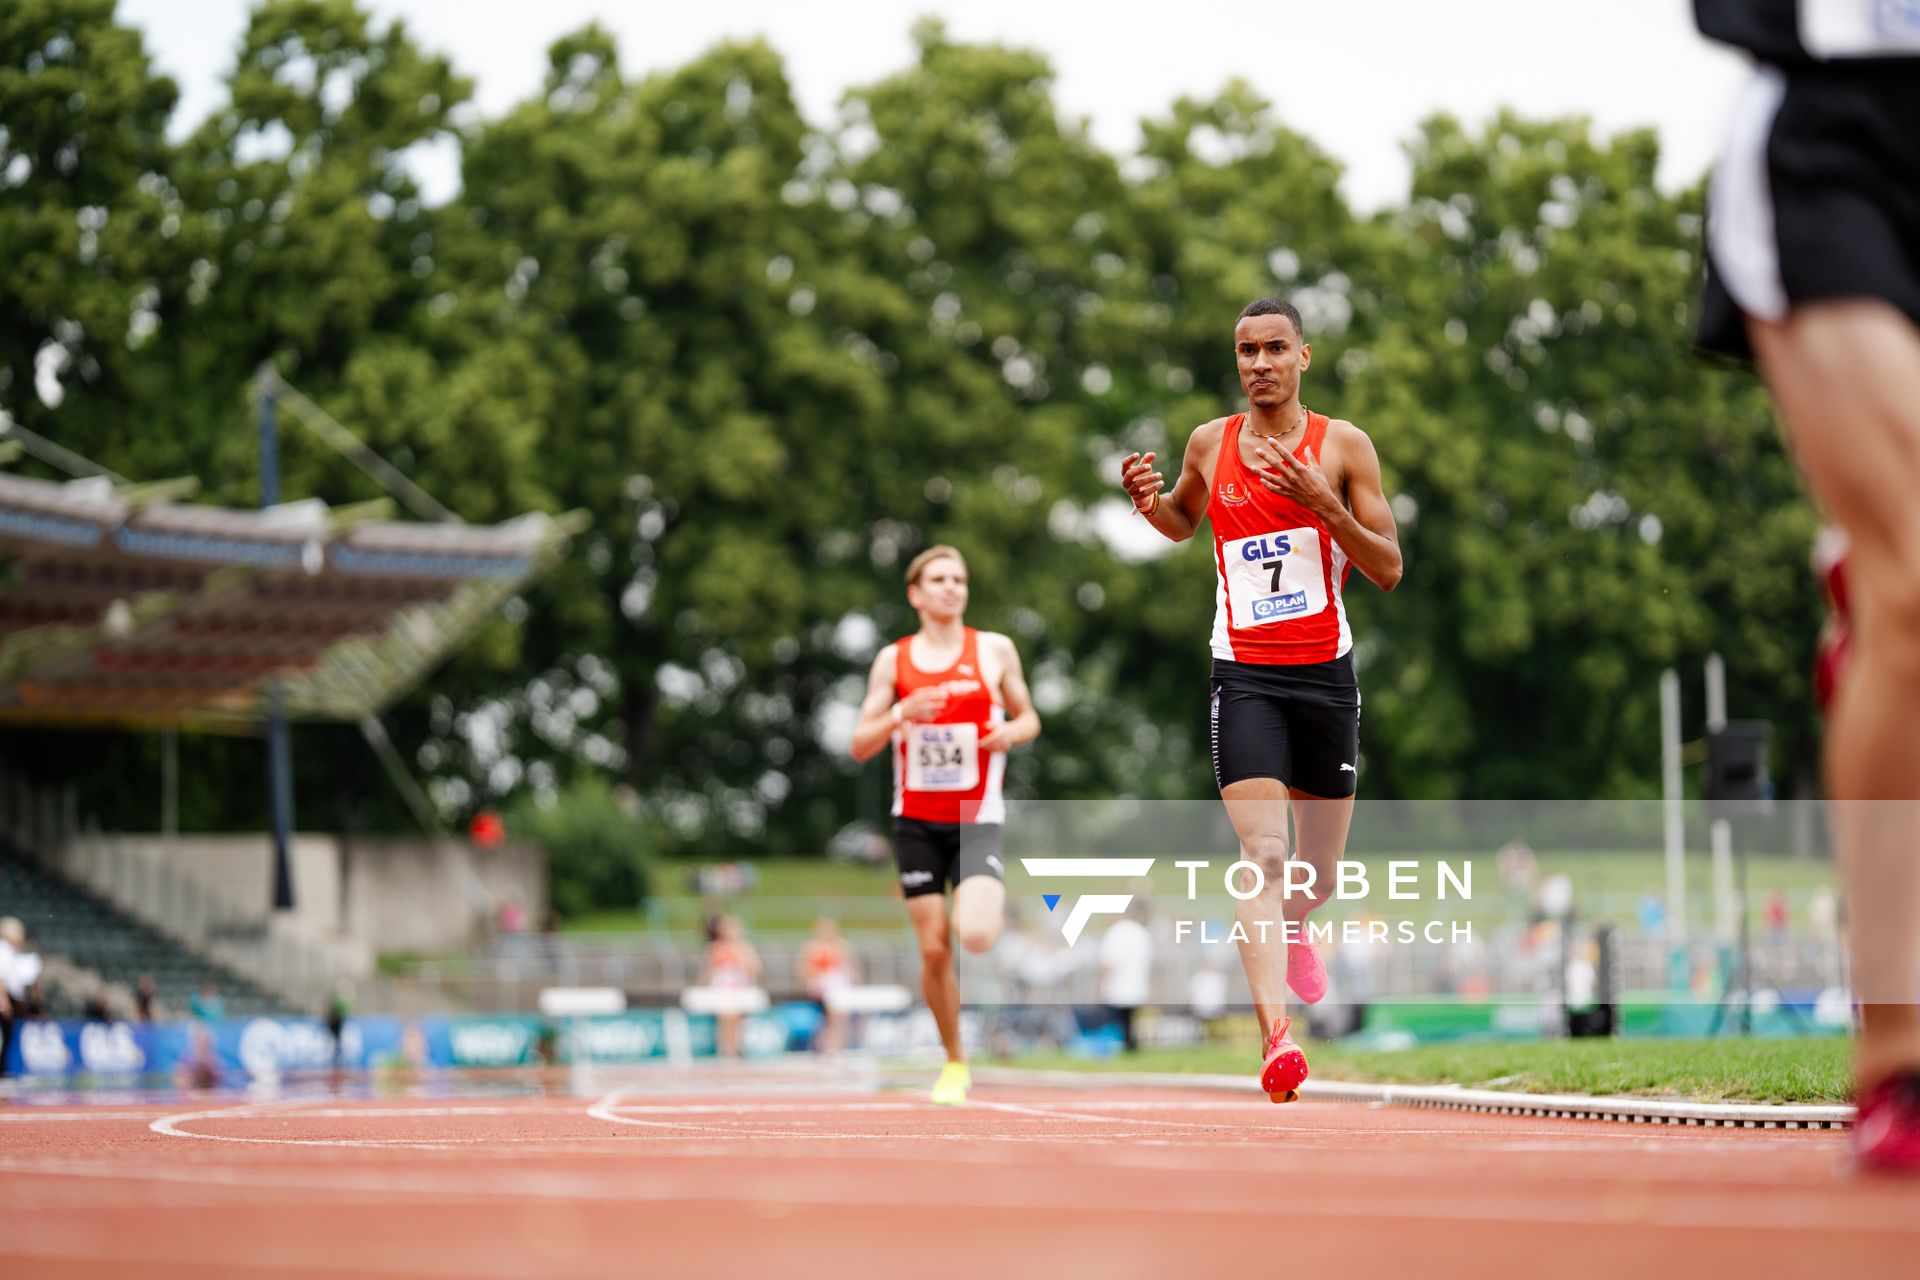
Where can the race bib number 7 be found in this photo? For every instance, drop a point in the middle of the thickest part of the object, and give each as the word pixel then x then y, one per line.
pixel 943 757
pixel 1274 577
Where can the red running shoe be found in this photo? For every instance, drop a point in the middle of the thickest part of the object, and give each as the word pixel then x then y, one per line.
pixel 1285 1067
pixel 1886 1130
pixel 1830 656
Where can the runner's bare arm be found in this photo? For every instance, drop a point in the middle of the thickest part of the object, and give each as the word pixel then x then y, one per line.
pixel 1178 513
pixel 1023 722
pixel 1363 525
pixel 876 709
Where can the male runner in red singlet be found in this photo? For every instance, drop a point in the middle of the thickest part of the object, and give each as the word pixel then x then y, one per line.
pixel 1295 501
pixel 951 700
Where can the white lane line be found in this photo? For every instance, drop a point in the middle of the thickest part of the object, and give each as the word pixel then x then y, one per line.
pixel 748 1108
pixel 1046 1113
pixel 1794 1213
pixel 394 1113
pixel 1147 1153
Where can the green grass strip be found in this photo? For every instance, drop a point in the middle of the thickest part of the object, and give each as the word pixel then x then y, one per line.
pixel 1811 1070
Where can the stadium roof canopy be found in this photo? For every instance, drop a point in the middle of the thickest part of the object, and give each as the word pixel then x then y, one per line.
pixel 119 607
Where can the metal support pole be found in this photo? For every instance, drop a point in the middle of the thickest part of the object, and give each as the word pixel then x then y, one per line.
pixel 170 782
pixel 1675 820
pixel 279 744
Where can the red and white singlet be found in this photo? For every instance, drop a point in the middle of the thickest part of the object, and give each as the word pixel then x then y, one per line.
pixel 1280 571
pixel 938 772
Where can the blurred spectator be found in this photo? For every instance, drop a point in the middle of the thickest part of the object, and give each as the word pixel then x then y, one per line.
pixel 722 880
pixel 1553 900
pixel 731 963
pixel 1126 969
pixel 1207 996
pixel 208 1009
pixel 1653 916
pixel 143 998
pixel 208 1005
pixel 1517 867
pixel 21 972
pixel 13 935
pixel 96 1008
pixel 512 917
pixel 1823 913
pixel 825 968
pixel 338 1007
pixel 1589 1004
pixel 1778 917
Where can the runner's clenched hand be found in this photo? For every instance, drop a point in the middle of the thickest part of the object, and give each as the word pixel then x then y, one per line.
pixel 1140 480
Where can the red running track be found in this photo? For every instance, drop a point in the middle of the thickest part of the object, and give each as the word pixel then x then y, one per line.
pixel 1025 1181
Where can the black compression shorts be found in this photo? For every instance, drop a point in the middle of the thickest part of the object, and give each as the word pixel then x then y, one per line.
pixel 1300 724
pixel 934 855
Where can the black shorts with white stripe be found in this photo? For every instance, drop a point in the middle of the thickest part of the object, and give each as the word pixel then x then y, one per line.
pixel 1299 724
pixel 1815 198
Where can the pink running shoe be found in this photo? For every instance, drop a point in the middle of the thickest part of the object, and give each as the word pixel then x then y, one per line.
pixel 1285 1066
pixel 1886 1131
pixel 1306 973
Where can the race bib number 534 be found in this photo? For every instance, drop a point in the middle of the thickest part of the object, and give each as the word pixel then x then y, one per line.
pixel 943 757
pixel 1274 577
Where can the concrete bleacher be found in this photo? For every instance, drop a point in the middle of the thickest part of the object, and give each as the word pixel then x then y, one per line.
pixel 64 919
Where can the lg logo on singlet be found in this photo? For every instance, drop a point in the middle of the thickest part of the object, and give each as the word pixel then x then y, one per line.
pixel 1089 905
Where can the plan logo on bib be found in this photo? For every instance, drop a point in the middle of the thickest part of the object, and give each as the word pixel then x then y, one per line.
pixel 1087 906
pixel 1281 606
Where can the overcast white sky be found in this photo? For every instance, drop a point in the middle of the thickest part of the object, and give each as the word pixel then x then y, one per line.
pixel 1354 75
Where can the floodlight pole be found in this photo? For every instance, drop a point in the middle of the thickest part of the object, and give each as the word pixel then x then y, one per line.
pixel 1674 818
pixel 1720 832
pixel 279 744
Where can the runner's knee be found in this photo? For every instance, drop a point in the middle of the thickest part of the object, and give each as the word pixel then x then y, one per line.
pixel 935 955
pixel 1268 852
pixel 979 938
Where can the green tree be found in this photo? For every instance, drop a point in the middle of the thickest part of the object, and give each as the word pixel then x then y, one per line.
pixel 90 225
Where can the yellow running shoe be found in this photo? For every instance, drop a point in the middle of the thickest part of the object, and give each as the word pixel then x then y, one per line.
pixel 950 1090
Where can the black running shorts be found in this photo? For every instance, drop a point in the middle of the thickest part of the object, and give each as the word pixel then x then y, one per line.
pixel 1300 724
pixel 1815 196
pixel 932 856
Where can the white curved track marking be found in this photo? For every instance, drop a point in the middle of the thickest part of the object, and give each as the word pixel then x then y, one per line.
pixel 169 1125
pixel 610 1108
